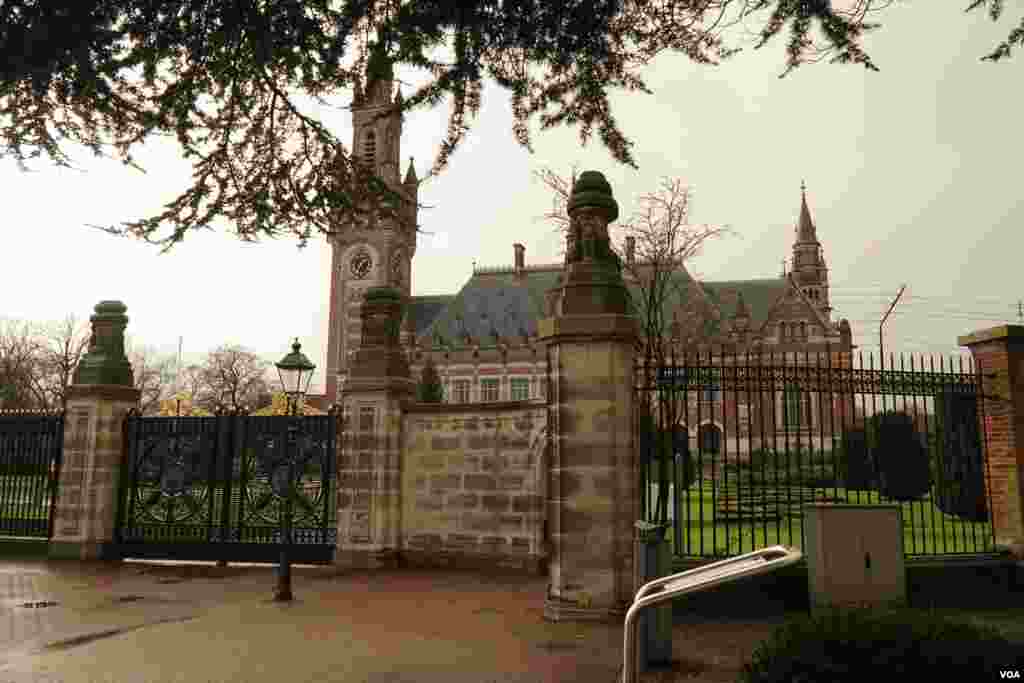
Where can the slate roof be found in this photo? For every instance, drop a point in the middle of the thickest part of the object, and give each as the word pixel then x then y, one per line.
pixel 491 302
pixel 423 310
pixel 499 301
pixel 758 295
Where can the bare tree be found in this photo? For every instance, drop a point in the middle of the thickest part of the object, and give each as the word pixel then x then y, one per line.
pixel 662 240
pixel 653 245
pixel 561 189
pixel 62 346
pixel 191 380
pixel 20 360
pixel 154 374
pixel 233 377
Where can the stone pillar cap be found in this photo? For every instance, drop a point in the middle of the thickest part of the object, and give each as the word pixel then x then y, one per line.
pixel 110 307
pixel 592 190
pixel 1007 332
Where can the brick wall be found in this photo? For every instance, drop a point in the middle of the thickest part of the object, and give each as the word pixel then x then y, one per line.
pixel 1000 354
pixel 472 486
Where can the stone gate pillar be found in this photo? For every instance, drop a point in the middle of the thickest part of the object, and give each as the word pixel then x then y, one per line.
pixel 370 455
pixel 999 352
pixel 102 392
pixel 592 490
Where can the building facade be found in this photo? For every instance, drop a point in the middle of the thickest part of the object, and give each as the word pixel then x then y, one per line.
pixel 484 338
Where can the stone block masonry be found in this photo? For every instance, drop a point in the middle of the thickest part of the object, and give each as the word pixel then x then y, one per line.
pixel 472 483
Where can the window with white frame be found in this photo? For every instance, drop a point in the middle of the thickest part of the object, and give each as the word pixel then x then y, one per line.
pixel 520 388
pixel 461 392
pixel 796 407
pixel 489 389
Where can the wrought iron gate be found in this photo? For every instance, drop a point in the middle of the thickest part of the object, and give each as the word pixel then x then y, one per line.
pixel 31 444
pixel 219 488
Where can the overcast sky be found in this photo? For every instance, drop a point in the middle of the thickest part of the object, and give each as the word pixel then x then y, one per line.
pixel 913 176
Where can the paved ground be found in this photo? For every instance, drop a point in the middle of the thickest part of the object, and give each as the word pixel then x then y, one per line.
pixel 145 623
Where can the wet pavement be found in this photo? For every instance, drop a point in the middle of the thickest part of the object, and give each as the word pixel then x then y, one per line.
pixel 77 622
pixel 80 622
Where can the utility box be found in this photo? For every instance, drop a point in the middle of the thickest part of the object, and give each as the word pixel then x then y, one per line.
pixel 854 555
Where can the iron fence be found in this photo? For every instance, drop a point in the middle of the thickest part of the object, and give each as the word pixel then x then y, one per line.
pixel 732 445
pixel 222 487
pixel 31 445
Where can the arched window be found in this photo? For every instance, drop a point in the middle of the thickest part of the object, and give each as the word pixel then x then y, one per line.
pixel 370 148
pixel 782 330
pixel 796 407
pixel 710 438
pixel 803 330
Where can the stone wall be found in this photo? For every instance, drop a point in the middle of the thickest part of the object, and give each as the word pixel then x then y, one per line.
pixel 472 486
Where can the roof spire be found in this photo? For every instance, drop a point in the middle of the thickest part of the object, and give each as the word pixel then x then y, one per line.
pixel 805 231
pixel 410 175
pixel 742 311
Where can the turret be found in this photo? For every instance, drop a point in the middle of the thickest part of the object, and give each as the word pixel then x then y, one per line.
pixel 808 269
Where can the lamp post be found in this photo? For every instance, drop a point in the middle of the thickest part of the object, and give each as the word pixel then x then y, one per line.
pixel 295 372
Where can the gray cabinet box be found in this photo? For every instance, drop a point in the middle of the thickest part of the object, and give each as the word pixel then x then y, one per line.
pixel 854 555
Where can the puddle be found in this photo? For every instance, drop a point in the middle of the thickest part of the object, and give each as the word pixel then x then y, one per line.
pixel 84 639
pixel 129 598
pixel 555 646
pixel 22 603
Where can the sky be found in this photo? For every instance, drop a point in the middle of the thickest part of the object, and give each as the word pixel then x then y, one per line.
pixel 911 173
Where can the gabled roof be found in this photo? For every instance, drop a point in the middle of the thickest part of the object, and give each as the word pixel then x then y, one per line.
pixel 789 285
pixel 759 296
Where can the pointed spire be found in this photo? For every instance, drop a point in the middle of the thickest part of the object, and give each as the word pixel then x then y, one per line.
pixel 410 175
pixel 398 96
pixel 805 231
pixel 741 307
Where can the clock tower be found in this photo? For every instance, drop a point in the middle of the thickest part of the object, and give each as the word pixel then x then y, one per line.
pixel 374 253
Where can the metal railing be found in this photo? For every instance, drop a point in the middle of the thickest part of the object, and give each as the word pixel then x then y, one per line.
pixel 793 428
pixel 709 576
pixel 31 447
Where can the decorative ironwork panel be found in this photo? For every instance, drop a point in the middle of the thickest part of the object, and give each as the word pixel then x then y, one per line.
pixel 228 487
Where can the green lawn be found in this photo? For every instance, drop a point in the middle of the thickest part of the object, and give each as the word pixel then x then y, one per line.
pixel 926 529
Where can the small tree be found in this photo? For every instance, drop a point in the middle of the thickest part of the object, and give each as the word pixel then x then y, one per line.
pixel 430 389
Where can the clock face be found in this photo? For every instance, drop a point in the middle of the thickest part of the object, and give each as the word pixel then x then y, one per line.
pixel 361 265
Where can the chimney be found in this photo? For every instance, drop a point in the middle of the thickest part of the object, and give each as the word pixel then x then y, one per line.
pixel 630 250
pixel 520 258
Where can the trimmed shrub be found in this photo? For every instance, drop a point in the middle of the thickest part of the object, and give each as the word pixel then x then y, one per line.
pixel 855 461
pixel 673 446
pixel 860 645
pixel 904 472
pixel 958 466
pixel 430 389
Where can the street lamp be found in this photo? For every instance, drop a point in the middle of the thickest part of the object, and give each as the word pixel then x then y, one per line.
pixel 295 372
